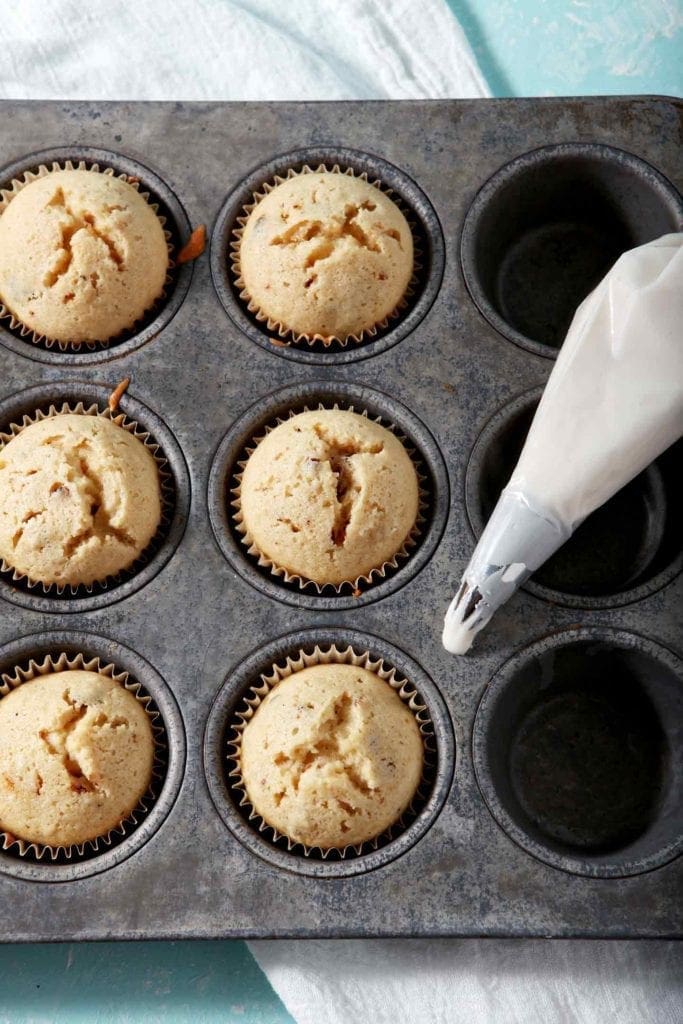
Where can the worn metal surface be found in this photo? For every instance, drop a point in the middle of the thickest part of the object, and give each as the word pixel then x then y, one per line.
pixel 197 619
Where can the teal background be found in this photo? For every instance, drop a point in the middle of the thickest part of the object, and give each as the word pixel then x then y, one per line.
pixel 524 48
pixel 576 47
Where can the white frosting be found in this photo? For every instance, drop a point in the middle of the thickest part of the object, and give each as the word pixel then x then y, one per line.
pixel 457 638
pixel 613 403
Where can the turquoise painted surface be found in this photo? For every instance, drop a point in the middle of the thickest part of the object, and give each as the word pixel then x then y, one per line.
pixel 525 48
pixel 576 47
pixel 154 982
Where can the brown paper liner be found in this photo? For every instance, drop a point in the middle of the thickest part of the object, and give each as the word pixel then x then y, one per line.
pixel 23 673
pixel 26 332
pixel 166 488
pixel 277 326
pixel 360 582
pixel 325 656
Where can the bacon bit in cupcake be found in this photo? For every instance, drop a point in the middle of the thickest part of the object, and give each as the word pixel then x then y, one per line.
pixel 117 394
pixel 194 247
pixel 132 180
pixel 280 344
pixel 357 592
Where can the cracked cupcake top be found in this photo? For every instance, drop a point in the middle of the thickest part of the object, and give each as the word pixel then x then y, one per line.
pixel 79 499
pixel 82 256
pixel 329 495
pixel 332 756
pixel 76 752
pixel 326 254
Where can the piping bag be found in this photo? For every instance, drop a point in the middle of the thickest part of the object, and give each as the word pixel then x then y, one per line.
pixel 612 404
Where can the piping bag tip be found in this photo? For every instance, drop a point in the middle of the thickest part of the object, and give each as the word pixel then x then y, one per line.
pixel 517 539
pixel 463 620
pixel 479 596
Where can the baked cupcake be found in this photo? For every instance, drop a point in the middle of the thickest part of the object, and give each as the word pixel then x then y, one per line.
pixel 76 754
pixel 325 256
pixel 328 496
pixel 79 500
pixel 332 756
pixel 82 256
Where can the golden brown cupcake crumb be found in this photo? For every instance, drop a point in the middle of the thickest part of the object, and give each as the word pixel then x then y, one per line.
pixel 194 247
pixel 117 394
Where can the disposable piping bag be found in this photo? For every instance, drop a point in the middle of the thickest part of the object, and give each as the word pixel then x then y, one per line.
pixel 612 404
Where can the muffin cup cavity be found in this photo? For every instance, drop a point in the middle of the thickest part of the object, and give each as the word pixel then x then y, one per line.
pixel 45 401
pixel 34 656
pixel 275 581
pixel 237 702
pixel 546 228
pixel 578 751
pixel 20 338
pixel 429 254
pixel 624 552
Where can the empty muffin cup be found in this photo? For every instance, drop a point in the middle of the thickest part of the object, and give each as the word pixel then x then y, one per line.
pixel 546 228
pixel 85 760
pixel 578 752
pixel 259 675
pixel 626 550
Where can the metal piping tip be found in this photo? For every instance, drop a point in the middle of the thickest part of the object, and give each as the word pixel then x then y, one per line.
pixel 517 539
pixel 466 615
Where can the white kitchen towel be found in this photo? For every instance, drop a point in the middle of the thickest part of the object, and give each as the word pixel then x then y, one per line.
pixel 234 50
pixel 476 981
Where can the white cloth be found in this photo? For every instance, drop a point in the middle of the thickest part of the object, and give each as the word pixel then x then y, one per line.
pixel 476 981
pixel 234 50
pixel 335 49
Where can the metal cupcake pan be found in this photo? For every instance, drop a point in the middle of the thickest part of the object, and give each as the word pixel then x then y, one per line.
pixel 503 842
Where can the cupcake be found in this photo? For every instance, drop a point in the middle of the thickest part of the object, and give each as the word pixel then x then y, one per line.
pixel 76 754
pixel 332 757
pixel 328 496
pixel 324 256
pixel 82 256
pixel 79 500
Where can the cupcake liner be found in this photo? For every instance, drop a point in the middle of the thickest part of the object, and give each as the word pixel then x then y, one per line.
pixel 61 662
pixel 281 329
pixel 166 487
pixel 324 656
pixel 365 580
pixel 8 193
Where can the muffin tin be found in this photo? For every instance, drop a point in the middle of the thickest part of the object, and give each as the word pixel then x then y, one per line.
pixel 577 682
